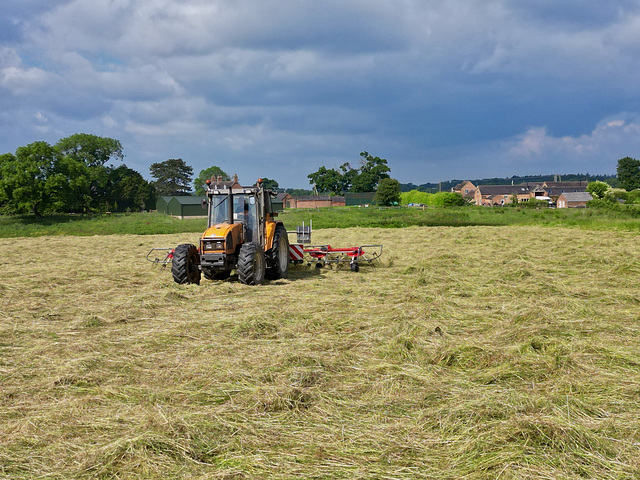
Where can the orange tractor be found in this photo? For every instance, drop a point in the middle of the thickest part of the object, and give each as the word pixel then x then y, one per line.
pixel 242 235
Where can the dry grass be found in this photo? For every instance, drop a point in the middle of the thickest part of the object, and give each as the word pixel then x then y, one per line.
pixel 474 352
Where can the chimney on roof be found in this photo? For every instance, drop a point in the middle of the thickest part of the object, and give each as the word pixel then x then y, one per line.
pixel 235 178
pixel 219 179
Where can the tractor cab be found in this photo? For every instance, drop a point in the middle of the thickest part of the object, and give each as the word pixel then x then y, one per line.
pixel 228 208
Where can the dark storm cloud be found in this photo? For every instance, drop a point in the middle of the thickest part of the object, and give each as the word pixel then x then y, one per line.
pixel 442 89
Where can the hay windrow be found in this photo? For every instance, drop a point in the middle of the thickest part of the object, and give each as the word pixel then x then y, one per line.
pixel 473 352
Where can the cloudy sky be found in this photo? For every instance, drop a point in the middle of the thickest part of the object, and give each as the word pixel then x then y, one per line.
pixel 443 89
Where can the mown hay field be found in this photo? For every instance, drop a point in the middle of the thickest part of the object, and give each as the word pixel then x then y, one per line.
pixel 475 352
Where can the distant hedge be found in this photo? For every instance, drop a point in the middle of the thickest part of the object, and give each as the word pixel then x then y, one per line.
pixel 441 199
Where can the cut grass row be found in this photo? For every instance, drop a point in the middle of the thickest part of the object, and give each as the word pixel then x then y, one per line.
pixel 155 223
pixel 467 352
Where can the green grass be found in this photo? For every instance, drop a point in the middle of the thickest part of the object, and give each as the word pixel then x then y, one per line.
pixel 84 225
pixel 472 352
pixel 155 223
pixel 590 219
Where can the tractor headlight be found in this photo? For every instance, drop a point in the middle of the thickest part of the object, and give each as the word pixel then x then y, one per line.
pixel 213 245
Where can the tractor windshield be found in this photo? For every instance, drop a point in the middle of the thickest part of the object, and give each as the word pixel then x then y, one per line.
pixel 219 210
pixel 246 211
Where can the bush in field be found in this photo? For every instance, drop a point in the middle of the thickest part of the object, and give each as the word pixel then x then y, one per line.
pixel 616 200
pixel 447 199
pixel 613 203
pixel 441 199
pixel 598 189
pixel 414 196
pixel 533 203
pixel 633 196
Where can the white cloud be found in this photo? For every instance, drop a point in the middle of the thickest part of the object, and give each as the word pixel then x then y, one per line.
pixel 532 142
pixel 611 139
pixel 21 81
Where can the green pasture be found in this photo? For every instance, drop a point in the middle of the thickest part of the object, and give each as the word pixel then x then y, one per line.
pixel 346 217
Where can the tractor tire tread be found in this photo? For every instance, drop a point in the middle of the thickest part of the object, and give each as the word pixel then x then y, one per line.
pixel 251 264
pixel 184 264
pixel 278 268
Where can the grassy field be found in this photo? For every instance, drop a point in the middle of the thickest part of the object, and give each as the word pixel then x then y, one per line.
pixel 472 352
pixel 591 219
pixel 156 223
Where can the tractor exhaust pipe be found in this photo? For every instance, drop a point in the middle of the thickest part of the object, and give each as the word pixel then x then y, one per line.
pixel 230 206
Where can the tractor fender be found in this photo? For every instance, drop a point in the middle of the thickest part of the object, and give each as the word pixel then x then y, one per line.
pixel 269 233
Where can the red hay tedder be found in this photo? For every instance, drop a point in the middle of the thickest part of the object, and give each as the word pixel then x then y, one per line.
pixel 301 252
pixel 323 255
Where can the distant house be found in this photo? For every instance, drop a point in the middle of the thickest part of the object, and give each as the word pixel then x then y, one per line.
pixel 491 195
pixel 218 184
pixel 555 189
pixel 573 200
pixel 187 206
pixel 284 199
pixel 466 189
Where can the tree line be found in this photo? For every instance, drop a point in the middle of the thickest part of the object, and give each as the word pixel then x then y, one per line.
pixel 71 176
pixel 74 176
pixel 174 177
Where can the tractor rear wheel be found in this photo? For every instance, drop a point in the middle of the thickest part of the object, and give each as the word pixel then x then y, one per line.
pixel 251 264
pixel 185 266
pixel 279 255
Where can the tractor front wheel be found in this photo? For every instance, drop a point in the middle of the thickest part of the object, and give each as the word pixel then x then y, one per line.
pixel 251 264
pixel 185 266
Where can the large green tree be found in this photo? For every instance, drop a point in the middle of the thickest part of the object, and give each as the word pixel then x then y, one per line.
pixel 629 173
pixel 93 153
pixel 327 180
pixel 388 192
pixel 92 150
pixel 26 184
pixel 71 176
pixel 129 191
pixel 72 180
pixel 373 170
pixel 348 179
pixel 173 177
pixel 206 174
